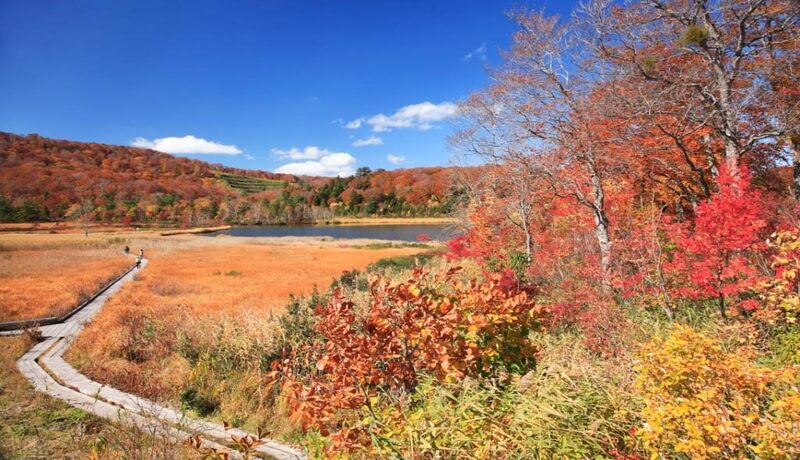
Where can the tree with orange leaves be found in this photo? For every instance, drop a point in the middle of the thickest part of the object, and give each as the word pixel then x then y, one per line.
pixel 700 64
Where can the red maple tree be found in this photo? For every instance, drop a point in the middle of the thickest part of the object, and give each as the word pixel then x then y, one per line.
pixel 713 256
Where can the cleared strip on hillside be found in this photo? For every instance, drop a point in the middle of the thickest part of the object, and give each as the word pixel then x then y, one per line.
pixel 247 184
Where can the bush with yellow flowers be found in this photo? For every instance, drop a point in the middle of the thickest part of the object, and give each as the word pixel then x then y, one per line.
pixel 707 403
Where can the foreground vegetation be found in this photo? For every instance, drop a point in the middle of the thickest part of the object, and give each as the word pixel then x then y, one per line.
pixel 194 328
pixel 631 259
pixel 38 426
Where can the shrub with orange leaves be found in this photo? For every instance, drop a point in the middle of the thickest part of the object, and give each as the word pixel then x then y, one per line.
pixel 428 325
pixel 707 403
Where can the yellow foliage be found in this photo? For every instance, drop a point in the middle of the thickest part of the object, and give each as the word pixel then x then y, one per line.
pixel 706 403
pixel 780 294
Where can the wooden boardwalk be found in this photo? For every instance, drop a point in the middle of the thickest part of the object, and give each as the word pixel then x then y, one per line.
pixel 45 368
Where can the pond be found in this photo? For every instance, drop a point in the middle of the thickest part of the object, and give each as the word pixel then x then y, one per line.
pixel 409 232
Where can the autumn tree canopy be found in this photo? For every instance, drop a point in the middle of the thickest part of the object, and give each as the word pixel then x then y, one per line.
pixel 607 128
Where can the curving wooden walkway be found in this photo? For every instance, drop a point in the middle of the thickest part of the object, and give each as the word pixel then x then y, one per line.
pixel 45 368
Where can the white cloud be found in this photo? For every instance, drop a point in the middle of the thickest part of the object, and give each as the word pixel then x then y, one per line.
pixel 321 162
pixel 395 159
pixel 371 140
pixel 337 164
pixel 249 157
pixel 355 124
pixel 312 152
pixel 479 53
pixel 420 116
pixel 186 144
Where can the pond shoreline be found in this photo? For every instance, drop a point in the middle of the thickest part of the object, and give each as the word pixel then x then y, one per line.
pixel 387 221
pixel 407 232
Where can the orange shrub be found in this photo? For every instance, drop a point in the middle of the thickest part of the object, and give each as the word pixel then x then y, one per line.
pixel 706 403
pixel 428 325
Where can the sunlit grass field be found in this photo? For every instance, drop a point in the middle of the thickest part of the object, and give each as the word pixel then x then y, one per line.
pixel 47 275
pixel 221 295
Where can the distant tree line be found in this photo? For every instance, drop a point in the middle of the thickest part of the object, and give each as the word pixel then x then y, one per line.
pixel 51 180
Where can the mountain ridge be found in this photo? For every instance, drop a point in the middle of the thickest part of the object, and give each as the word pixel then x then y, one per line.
pixel 43 179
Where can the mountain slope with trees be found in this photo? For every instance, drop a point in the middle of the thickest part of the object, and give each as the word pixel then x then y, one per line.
pixel 52 180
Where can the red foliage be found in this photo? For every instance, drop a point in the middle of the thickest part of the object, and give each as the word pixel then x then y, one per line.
pixel 459 248
pixel 713 256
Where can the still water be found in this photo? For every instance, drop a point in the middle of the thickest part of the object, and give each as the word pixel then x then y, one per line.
pixel 436 232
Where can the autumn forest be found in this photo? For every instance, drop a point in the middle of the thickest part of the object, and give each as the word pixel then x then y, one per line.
pixel 623 282
pixel 46 180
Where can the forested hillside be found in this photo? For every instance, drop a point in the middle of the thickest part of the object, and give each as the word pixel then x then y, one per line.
pixel 51 180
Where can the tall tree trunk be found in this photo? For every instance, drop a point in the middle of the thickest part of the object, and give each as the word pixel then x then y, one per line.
pixel 604 241
pixel 722 101
pixel 528 237
pixel 794 142
pixel 601 227
pixel 732 150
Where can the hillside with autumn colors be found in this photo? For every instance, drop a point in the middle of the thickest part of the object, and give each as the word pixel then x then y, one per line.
pixel 53 180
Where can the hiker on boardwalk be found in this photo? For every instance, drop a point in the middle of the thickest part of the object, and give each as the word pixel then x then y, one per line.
pixel 127 250
pixel 141 252
pixel 138 261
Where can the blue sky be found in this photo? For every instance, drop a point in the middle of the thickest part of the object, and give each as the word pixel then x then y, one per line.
pixel 317 87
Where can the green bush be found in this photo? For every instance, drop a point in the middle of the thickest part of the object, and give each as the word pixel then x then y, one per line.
pixel 191 399
pixel 557 416
pixel 573 405
pixel 399 263
pixel 785 347
pixel 518 263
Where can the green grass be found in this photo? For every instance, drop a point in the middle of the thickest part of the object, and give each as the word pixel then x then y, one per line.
pixel 398 263
pixel 388 245
pixel 246 184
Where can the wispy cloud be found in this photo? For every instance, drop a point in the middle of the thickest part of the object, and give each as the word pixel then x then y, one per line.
pixel 420 116
pixel 395 159
pixel 312 152
pixel 186 144
pixel 355 124
pixel 321 162
pixel 371 140
pixel 478 53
